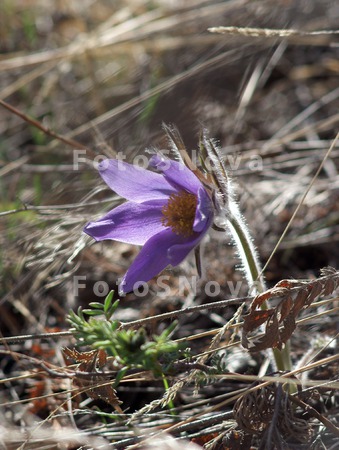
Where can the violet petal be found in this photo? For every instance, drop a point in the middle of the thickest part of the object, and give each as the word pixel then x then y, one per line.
pixel 134 183
pixel 176 173
pixel 152 259
pixel 132 223
pixel 178 251
pixel 204 210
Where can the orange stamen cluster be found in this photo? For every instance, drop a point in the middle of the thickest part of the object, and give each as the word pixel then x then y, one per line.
pixel 179 213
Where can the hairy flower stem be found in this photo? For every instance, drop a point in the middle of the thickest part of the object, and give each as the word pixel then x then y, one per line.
pixel 246 250
pixel 247 253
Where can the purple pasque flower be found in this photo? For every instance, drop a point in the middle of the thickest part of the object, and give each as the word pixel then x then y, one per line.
pixel 168 212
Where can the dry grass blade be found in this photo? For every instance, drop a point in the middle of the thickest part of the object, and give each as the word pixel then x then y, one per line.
pixel 267 33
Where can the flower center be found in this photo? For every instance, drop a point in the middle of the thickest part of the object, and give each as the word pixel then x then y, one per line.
pixel 179 213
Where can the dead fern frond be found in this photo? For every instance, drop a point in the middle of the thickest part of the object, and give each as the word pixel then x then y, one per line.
pixel 271 413
pixel 92 362
pixel 291 296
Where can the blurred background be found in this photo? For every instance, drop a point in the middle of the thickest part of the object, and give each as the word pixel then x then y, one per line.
pixel 104 76
pixel 82 80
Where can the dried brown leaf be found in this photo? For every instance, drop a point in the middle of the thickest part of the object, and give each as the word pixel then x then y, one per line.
pixel 286 331
pixel 256 318
pixel 286 307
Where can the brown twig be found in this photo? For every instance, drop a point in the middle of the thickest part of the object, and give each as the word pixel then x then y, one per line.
pixel 68 141
pixel 136 323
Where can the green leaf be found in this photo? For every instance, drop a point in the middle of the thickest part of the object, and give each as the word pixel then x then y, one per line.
pixel 96 305
pixel 108 301
pixel 115 325
pixel 92 312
